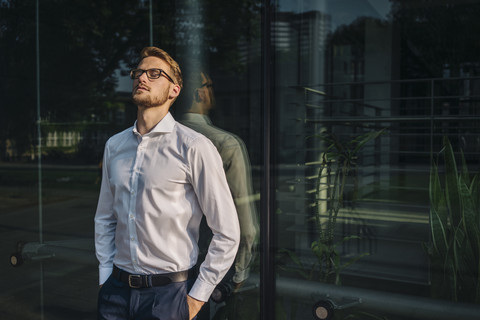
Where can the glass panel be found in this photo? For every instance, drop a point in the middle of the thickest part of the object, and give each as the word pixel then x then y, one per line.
pixel 218 44
pixel 365 92
pixel 86 49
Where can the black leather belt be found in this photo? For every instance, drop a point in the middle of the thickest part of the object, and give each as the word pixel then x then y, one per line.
pixel 155 280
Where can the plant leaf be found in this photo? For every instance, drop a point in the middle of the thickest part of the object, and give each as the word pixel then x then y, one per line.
pixel 469 215
pixel 353 260
pixel 363 139
pixel 474 191
pixel 451 184
pixel 464 173
pixel 292 256
pixel 439 235
pixel 435 190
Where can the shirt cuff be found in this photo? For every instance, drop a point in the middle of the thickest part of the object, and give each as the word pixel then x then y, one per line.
pixel 104 273
pixel 201 290
pixel 241 276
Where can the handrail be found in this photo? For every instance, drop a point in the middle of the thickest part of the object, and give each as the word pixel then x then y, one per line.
pixel 375 301
pixel 425 80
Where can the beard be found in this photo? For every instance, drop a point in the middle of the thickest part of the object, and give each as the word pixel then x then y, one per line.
pixel 149 100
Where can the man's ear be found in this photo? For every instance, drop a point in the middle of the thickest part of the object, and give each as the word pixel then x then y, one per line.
pixel 174 91
pixel 196 95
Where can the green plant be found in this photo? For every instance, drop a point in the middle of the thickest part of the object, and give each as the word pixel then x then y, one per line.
pixel 339 162
pixel 454 248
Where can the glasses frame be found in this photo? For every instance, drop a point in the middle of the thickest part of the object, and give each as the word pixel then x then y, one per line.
pixel 207 85
pixel 162 72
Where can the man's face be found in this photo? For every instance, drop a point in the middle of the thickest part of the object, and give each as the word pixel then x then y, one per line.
pixel 152 92
pixel 207 88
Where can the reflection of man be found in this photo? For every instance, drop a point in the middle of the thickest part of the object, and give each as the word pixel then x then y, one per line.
pixel 236 165
pixel 159 179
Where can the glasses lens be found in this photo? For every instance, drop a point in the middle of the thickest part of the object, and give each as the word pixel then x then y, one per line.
pixel 154 73
pixel 136 73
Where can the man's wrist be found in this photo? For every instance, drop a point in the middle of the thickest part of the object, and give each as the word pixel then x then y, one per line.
pixel 194 306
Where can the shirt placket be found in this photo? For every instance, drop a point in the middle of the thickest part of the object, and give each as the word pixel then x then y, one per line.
pixel 134 185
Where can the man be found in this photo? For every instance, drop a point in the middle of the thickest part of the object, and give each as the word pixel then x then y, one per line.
pixel 199 88
pixel 159 178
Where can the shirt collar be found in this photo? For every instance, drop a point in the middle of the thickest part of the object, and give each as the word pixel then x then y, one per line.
pixel 164 126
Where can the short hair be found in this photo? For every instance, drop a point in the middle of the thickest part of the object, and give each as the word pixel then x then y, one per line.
pixel 192 81
pixel 159 53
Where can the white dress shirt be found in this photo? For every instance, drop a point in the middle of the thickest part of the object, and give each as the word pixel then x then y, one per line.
pixel 155 189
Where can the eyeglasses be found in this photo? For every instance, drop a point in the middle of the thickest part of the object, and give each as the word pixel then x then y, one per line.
pixel 151 74
pixel 207 84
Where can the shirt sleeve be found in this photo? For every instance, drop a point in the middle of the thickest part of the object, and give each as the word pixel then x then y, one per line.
pixel 214 197
pixel 105 224
pixel 238 173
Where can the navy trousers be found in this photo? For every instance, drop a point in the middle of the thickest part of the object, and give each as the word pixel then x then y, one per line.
pixel 117 301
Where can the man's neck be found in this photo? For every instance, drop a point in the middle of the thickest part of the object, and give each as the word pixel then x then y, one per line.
pixel 198 108
pixel 148 118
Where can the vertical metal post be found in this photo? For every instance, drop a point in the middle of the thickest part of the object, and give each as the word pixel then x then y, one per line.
pixel 39 154
pixel 151 23
pixel 267 271
pixel 39 130
pixel 432 117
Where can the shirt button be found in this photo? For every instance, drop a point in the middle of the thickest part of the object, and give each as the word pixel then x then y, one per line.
pixel 131 216
pixel 132 238
pixel 132 192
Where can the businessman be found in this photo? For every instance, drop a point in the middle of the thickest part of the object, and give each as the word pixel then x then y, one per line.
pixel 159 178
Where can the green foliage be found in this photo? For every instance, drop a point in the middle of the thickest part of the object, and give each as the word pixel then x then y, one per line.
pixel 454 248
pixel 339 161
pixel 83 43
pixel 454 39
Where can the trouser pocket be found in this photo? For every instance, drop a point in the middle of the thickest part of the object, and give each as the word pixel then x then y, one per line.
pixel 170 302
pixel 113 300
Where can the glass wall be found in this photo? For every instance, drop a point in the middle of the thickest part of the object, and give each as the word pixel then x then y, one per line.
pixel 357 131
pixel 65 90
pixel 373 101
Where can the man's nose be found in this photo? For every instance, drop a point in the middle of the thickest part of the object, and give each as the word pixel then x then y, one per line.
pixel 143 77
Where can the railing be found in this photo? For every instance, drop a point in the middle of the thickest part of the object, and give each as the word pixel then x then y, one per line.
pixel 393 180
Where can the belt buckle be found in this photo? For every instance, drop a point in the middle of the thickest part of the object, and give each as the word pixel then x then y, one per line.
pixel 135 281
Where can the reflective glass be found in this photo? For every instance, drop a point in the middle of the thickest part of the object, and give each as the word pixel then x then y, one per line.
pixel 371 213
pixel 369 102
pixel 56 121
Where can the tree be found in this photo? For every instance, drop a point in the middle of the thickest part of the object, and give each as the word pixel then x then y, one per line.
pixel 438 36
pixel 81 45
